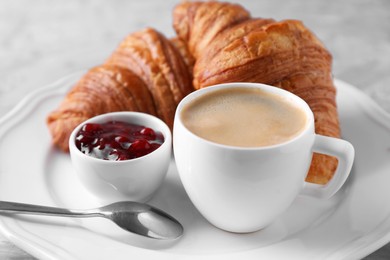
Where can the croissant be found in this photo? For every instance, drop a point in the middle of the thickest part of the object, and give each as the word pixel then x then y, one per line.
pixel 211 18
pixel 234 47
pixel 182 48
pixel 160 65
pixel 101 90
pixel 146 73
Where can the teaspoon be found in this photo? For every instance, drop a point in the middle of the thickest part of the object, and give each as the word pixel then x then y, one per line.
pixel 138 218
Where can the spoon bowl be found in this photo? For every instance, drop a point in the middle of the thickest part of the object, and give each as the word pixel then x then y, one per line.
pixel 135 217
pixel 143 219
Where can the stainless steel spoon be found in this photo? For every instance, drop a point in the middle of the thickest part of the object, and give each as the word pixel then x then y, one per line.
pixel 135 217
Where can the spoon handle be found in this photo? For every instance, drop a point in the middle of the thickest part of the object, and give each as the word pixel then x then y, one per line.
pixel 22 208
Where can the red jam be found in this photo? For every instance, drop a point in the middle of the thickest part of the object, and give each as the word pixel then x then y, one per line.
pixel 117 141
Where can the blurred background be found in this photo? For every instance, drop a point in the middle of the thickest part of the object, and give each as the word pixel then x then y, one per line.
pixel 42 41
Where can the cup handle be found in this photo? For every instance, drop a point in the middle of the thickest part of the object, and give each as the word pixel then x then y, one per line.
pixel 345 154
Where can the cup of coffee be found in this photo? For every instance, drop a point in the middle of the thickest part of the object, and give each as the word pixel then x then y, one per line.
pixel 243 151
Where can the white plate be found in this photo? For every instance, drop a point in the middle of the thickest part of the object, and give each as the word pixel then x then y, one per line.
pixel 351 225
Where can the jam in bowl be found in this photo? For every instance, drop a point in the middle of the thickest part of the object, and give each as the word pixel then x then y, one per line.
pixel 117 140
pixel 121 155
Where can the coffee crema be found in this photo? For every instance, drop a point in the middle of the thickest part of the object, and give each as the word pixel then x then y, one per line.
pixel 244 117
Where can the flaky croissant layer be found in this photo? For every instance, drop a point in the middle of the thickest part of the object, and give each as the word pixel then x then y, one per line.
pixel 101 90
pixel 216 42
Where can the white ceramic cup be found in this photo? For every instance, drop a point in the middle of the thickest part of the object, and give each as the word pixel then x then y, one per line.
pixel 242 189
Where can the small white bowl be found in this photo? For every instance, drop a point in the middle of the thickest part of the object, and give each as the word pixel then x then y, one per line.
pixel 135 179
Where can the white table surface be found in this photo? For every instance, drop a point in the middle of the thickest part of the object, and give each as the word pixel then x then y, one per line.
pixel 44 40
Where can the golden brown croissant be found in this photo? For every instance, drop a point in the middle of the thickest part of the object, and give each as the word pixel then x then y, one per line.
pixel 284 54
pixel 189 60
pixel 101 90
pixel 145 73
pixel 156 60
pixel 210 17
